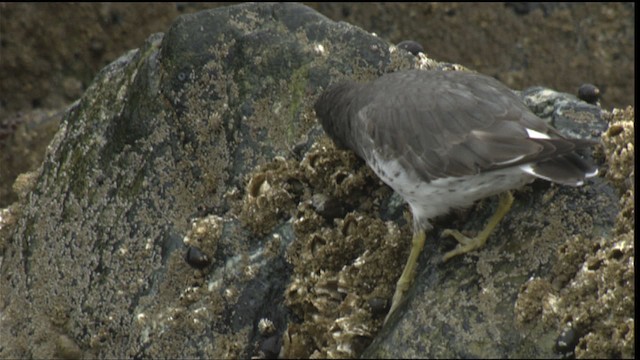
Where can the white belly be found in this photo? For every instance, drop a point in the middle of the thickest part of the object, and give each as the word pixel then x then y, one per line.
pixel 428 200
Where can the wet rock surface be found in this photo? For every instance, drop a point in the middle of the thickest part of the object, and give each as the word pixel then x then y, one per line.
pixel 189 206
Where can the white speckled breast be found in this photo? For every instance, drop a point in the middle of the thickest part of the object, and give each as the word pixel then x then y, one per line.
pixel 431 199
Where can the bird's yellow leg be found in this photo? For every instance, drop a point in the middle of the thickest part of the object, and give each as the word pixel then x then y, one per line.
pixel 409 272
pixel 465 245
pixel 469 244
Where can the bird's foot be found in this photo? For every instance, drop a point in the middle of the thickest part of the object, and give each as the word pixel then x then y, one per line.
pixel 467 244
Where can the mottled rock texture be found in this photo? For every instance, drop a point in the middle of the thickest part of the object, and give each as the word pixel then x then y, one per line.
pixel 189 194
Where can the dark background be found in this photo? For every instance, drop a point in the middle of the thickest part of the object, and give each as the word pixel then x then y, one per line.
pixel 49 53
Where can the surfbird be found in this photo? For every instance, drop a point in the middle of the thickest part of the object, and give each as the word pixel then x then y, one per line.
pixel 444 139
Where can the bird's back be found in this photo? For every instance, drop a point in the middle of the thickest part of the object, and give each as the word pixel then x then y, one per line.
pixel 442 124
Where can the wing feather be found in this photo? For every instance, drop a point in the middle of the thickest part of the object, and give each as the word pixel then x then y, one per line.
pixel 452 124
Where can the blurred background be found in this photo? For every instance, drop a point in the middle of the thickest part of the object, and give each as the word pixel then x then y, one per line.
pixel 49 53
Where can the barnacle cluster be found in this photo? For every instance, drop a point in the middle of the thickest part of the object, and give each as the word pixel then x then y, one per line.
pixel 619 139
pixel 589 298
pixel 203 240
pixel 271 195
pixel 339 272
pixel 344 257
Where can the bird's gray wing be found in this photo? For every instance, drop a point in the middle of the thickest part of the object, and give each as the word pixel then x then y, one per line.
pixel 444 124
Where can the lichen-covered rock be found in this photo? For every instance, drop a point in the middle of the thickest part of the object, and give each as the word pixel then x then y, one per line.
pixel 190 206
pixel 93 260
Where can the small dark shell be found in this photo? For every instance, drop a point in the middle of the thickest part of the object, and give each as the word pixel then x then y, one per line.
pixel 567 341
pixel 589 93
pixel 196 258
pixel 379 306
pixel 615 130
pixel 411 46
pixel 328 207
pixel 271 346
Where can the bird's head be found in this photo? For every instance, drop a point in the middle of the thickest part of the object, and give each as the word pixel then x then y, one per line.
pixel 333 109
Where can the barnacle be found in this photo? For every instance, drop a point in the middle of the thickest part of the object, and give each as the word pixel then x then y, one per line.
pixel 266 327
pixel 196 258
pixel 203 239
pixel 344 257
pixel 270 196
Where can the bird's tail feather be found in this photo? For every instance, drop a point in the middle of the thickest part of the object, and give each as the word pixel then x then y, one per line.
pixel 569 169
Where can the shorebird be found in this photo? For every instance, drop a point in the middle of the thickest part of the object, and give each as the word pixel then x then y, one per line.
pixel 444 139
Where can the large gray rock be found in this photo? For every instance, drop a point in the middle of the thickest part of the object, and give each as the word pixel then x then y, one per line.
pixel 165 134
pixel 190 206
